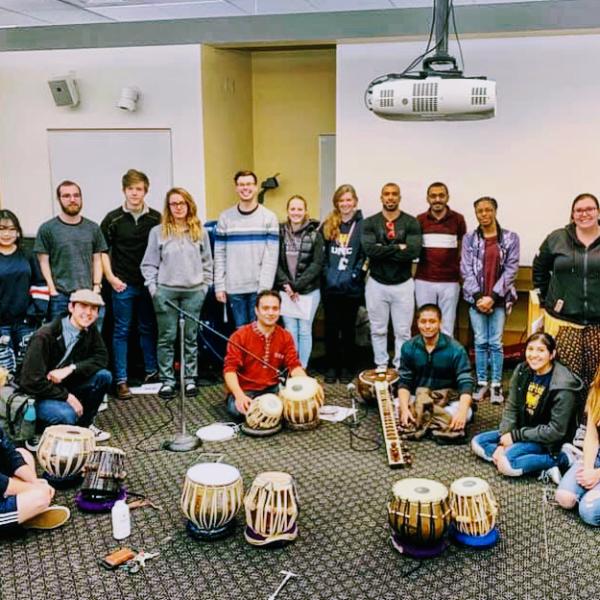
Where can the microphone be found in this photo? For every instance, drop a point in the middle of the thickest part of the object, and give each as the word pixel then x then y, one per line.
pixel 351 389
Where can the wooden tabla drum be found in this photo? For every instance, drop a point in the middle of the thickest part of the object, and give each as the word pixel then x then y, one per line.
pixel 302 398
pixel 271 509
pixel 474 511
pixel 419 515
pixel 64 451
pixel 367 379
pixel 265 413
pixel 103 480
pixel 212 496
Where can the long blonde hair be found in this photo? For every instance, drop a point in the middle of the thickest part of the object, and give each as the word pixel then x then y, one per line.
pixel 331 224
pixel 592 406
pixel 169 228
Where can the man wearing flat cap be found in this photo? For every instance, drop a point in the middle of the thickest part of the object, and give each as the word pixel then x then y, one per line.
pixel 64 368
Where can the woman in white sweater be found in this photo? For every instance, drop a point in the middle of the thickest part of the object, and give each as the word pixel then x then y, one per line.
pixel 178 267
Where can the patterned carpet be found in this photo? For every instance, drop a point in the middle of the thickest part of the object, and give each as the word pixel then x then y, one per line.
pixel 343 549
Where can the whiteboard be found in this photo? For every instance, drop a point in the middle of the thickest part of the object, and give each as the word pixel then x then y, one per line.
pixel 97 159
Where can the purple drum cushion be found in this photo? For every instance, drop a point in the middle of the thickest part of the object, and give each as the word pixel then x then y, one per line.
pixel 98 506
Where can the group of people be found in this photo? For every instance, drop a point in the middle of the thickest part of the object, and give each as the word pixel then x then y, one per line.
pixel 158 263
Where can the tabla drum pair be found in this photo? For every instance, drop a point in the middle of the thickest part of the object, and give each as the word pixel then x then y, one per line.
pixel 302 398
pixel 103 480
pixel 474 511
pixel 264 416
pixel 419 515
pixel 63 453
pixel 271 509
pixel 211 498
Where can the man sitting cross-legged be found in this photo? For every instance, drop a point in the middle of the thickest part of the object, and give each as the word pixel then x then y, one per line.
pixel 245 376
pixel 435 374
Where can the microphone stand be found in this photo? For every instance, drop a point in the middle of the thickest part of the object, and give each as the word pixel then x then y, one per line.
pixel 183 442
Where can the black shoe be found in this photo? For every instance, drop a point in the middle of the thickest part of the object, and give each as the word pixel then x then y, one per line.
pixel 191 391
pixel 151 377
pixel 166 392
pixel 330 376
pixel 346 376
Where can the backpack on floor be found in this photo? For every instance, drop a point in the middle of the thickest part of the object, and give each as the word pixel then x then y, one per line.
pixel 13 404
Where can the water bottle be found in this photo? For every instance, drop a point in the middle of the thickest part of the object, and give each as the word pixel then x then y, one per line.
pixel 121 521
pixel 28 425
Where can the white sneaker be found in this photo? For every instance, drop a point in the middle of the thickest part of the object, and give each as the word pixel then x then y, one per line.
pixel 481 391
pixel 33 444
pixel 104 404
pixel 101 436
pixel 579 436
pixel 553 474
pixel 572 453
pixel 496 396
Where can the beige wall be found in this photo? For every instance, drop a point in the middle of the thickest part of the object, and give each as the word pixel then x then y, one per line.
pixel 294 102
pixel 265 110
pixel 227 116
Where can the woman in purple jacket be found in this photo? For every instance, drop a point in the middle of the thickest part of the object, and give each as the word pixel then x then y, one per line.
pixel 488 265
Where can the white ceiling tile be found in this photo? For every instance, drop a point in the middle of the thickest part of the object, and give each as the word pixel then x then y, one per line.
pixel 9 18
pixel 213 8
pixel 273 7
pixel 335 5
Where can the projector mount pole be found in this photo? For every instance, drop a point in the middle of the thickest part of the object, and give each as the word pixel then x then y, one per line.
pixel 441 57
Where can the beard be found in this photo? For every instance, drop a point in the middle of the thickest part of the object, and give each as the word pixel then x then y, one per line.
pixel 71 209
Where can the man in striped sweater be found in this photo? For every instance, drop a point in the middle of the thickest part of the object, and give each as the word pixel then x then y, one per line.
pixel 246 250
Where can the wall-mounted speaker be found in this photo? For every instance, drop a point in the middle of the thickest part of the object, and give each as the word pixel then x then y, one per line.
pixel 64 91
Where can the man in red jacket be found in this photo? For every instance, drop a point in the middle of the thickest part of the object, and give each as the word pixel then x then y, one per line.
pixel 245 376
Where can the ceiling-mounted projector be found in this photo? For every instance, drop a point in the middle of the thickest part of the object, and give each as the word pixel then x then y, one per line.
pixel 440 91
pixel 433 98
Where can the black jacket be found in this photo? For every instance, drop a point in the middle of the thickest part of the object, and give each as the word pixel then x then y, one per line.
pixel 45 353
pixel 388 264
pixel 349 280
pixel 310 259
pixel 553 422
pixel 10 461
pixel 127 240
pixel 565 270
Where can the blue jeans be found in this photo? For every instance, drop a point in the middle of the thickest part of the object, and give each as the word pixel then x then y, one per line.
pixel 133 297
pixel 526 457
pixel 89 393
pixel 16 332
pixel 488 330
pixel 589 500
pixel 230 400
pixel 242 307
pixel 301 329
pixel 59 307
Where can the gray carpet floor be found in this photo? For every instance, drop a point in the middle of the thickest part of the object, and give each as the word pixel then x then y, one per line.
pixel 343 549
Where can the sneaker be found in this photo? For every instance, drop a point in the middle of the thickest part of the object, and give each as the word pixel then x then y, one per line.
pixel 553 474
pixel 579 436
pixel 99 434
pixel 103 406
pixel 346 376
pixel 496 396
pixel 330 376
pixel 191 389
pixel 123 391
pixel 481 391
pixel 151 377
pixel 51 518
pixel 166 392
pixel 571 453
pixel 33 443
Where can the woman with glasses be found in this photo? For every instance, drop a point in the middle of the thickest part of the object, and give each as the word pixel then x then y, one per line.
pixel 299 270
pixel 488 265
pixel 23 303
pixel 343 285
pixel 178 269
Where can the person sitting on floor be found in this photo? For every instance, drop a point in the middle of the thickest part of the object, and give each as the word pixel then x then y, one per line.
pixel 64 368
pixel 538 417
pixel 581 483
pixel 435 371
pixel 25 499
pixel 245 376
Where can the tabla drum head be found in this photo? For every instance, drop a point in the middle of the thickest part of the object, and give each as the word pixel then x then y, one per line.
pixel 270 405
pixel 469 486
pixel 278 479
pixel 217 432
pixel 301 388
pixel 213 474
pixel 420 490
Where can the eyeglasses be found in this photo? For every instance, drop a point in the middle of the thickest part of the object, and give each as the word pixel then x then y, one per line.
pixel 583 211
pixel 177 204
pixel 391 231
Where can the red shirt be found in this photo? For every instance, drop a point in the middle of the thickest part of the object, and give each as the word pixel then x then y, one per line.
pixel 278 349
pixel 440 255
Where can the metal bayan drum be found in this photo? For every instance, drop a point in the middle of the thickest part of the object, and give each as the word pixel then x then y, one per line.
pixel 271 509
pixel 419 515
pixel 368 378
pixel 63 453
pixel 212 496
pixel 302 397
pixel 474 511
pixel 264 415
